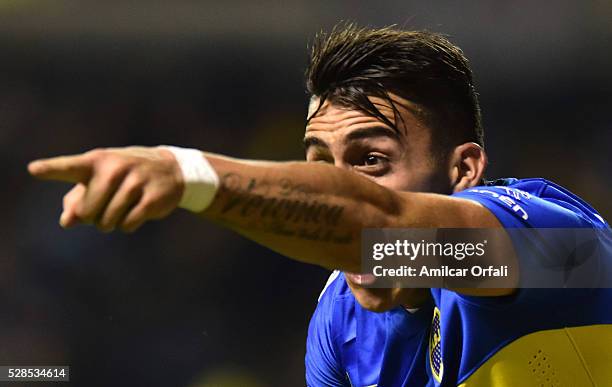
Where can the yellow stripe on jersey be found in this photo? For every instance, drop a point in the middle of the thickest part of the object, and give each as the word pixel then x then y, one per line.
pixel 571 357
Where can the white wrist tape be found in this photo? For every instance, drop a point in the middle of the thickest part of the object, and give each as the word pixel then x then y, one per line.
pixel 201 180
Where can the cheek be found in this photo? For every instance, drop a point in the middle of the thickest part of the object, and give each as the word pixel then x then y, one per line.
pixel 417 177
pixel 402 178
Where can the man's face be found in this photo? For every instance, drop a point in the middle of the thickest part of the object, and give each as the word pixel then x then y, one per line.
pixel 399 159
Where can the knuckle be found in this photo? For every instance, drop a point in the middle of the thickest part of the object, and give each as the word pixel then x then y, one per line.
pixel 73 195
pixel 108 162
pixel 96 154
pixel 70 206
pixel 84 213
pixel 137 177
pixel 80 213
pixel 111 162
pixel 113 173
pixel 135 180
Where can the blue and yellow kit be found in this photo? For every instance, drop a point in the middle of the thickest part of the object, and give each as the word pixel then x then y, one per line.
pixel 535 337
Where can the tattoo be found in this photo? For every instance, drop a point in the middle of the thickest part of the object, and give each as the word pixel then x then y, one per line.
pixel 291 204
pixel 283 209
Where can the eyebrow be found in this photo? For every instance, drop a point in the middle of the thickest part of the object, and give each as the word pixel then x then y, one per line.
pixel 376 131
pixel 358 134
pixel 314 141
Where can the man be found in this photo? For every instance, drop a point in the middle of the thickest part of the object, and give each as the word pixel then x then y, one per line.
pixel 393 115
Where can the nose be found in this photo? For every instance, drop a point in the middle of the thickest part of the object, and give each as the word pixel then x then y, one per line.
pixel 338 162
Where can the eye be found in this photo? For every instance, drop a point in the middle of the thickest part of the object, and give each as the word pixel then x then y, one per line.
pixel 372 160
pixel 373 164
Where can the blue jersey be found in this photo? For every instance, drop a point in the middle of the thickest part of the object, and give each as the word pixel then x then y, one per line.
pixel 534 337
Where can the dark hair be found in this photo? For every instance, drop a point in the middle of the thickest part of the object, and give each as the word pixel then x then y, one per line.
pixel 350 63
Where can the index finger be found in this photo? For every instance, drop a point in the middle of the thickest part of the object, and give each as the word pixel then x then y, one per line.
pixel 71 169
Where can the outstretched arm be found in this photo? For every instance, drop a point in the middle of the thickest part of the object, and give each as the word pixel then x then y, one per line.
pixel 311 212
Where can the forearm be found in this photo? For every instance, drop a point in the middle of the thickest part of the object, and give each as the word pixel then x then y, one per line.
pixel 311 212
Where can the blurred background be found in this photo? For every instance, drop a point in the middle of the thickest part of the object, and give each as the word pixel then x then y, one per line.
pixel 181 303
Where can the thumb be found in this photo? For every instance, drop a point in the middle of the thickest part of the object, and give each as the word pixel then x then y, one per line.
pixel 71 200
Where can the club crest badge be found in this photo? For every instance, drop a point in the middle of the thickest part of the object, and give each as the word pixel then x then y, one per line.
pixel 435 347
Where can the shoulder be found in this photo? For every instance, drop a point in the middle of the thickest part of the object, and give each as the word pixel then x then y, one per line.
pixel 329 324
pixel 335 306
pixel 336 285
pixel 534 202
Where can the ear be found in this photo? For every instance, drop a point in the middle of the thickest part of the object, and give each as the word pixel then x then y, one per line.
pixel 467 166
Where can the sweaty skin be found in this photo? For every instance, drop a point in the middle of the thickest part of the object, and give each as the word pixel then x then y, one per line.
pixel 359 173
